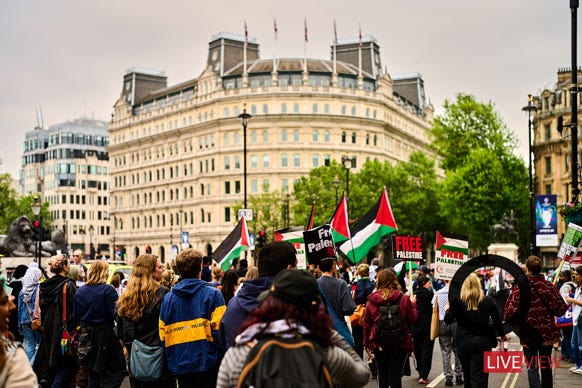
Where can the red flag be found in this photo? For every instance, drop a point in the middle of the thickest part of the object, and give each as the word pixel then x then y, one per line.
pixel 246 35
pixel 311 215
pixel 385 216
pixel 339 222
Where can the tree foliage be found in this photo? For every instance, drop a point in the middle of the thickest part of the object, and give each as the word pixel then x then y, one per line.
pixel 467 124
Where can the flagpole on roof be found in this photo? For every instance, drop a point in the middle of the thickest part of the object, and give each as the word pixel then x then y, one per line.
pixel 305 46
pixel 276 39
pixel 360 52
pixel 334 48
pixel 245 50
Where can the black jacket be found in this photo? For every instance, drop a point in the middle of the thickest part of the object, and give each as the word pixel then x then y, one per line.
pixel 424 306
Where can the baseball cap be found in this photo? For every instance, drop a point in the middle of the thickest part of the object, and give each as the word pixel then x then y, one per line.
pixel 294 286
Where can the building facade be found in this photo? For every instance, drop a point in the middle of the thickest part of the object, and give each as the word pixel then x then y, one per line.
pixel 177 151
pixel 67 165
pixel 552 149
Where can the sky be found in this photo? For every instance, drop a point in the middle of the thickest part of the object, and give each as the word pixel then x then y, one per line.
pixel 68 57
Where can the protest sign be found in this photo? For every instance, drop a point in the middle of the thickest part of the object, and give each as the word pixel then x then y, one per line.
pixel 319 244
pixel 571 242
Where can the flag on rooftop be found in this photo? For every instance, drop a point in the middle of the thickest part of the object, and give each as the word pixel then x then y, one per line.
pixel 305 23
pixel 233 246
pixel 246 35
pixel 275 29
pixel 368 232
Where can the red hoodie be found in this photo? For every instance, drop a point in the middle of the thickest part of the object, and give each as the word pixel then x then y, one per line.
pixel 407 309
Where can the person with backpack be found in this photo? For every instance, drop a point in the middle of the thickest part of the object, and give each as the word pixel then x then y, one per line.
pixel 361 289
pixel 387 338
pixel 473 311
pixel 289 338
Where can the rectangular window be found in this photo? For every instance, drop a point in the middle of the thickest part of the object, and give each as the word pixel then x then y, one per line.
pixel 237 187
pixel 227 187
pixel 226 214
pixel 254 186
pixel 548 133
pixel 285 185
pixel 548 164
pixel 548 189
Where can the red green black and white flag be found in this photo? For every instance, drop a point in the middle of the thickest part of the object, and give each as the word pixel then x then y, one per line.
pixel 368 232
pixel 339 222
pixel 233 246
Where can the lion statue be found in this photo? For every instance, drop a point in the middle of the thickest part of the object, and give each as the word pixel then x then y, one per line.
pixel 19 241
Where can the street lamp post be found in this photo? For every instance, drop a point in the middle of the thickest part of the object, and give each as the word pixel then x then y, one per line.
pixel 348 163
pixel 91 250
pixel 529 108
pixel 36 207
pixel 287 210
pixel 244 116
pixel 336 183
pixel 574 102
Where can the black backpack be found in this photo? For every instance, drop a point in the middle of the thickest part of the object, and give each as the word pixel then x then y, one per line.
pixel 285 363
pixel 390 330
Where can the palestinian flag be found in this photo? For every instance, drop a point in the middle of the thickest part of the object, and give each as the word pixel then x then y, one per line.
pixel 452 242
pixel 233 246
pixel 340 228
pixel 292 234
pixel 367 233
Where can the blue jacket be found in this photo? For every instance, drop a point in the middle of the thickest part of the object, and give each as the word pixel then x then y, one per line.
pixel 189 321
pixel 240 306
pixel 23 315
pixel 95 304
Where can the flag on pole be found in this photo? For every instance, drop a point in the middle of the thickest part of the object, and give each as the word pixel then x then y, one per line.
pixel 451 242
pixel 292 234
pixel 368 232
pixel 246 35
pixel 305 23
pixel 360 41
pixel 339 222
pixel 311 215
pixel 233 246
pixel 275 29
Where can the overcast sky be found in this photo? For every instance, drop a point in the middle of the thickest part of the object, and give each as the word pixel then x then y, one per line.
pixel 68 56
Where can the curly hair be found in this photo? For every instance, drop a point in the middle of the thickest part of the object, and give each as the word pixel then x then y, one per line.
pixel 58 263
pixel 386 281
pixel 169 278
pixel 98 272
pixel 315 317
pixel 141 288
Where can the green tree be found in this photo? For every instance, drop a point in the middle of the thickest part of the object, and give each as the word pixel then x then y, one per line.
pixel 477 194
pixel 268 212
pixel 467 124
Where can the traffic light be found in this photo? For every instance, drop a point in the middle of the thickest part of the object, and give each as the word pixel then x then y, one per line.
pixel 261 239
pixel 36 230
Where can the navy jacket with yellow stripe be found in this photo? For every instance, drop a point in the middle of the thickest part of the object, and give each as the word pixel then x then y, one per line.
pixel 189 322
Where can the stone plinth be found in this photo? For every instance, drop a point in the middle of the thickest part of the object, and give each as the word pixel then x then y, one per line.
pixel 509 250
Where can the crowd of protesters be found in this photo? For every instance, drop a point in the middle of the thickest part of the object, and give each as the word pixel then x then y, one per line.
pixel 205 320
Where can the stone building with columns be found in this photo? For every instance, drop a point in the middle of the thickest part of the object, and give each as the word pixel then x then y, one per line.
pixel 176 151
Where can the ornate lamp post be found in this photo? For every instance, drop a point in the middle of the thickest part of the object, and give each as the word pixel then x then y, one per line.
pixel 529 108
pixel 91 249
pixel 336 183
pixel 574 102
pixel 36 207
pixel 244 116
pixel 348 163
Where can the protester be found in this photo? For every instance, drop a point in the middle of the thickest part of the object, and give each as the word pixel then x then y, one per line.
pixel 293 306
pixel 16 285
pixel 446 338
pixel 216 274
pixel 243 266
pixel 104 358
pixel 567 289
pixel 422 270
pixel 78 257
pixel 252 273
pixel 26 300
pixel 229 285
pixel 192 352
pixel 423 345
pixel 169 278
pixel 50 360
pixel 576 302
pixel 335 290
pixel 273 258
pixel 361 289
pixel 138 310
pixel 390 362
pixel 206 271
pixel 374 268
pixel 15 369
pixel 473 311
pixel 545 303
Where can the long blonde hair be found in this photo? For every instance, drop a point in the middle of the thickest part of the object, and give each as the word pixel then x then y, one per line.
pixel 98 272
pixel 141 288
pixel 386 281
pixel 471 292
